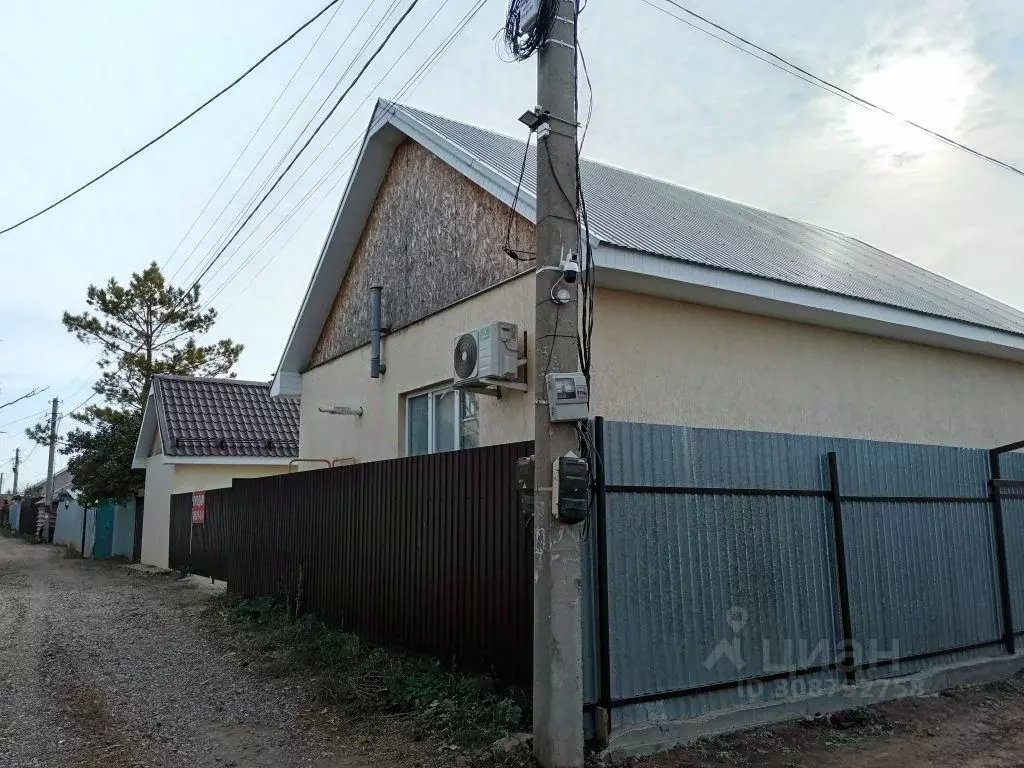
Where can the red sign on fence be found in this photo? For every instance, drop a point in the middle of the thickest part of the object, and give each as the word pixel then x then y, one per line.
pixel 198 507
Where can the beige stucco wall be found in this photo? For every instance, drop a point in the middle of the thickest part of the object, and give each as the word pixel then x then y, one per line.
pixel 156 517
pixel 205 477
pixel 417 356
pixel 662 361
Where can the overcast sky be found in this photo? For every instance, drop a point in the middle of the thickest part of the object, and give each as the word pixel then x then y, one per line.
pixel 81 84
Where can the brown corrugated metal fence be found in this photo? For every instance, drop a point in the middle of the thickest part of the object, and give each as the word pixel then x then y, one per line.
pixel 203 549
pixel 181 519
pixel 28 516
pixel 211 540
pixel 429 553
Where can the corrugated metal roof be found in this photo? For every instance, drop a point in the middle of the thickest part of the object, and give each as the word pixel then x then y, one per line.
pixel 224 417
pixel 645 214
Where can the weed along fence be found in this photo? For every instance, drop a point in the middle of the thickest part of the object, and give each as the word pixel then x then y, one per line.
pixel 733 568
pixel 429 553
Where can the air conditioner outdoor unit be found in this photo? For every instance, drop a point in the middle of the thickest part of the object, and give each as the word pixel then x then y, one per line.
pixel 488 352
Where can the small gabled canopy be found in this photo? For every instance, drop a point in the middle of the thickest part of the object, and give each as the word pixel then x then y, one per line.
pixel 217 421
pixel 654 237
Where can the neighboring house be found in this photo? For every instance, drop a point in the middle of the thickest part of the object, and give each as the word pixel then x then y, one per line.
pixel 199 434
pixel 62 488
pixel 708 312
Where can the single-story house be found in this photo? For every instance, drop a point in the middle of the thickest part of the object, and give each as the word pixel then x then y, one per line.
pixel 200 433
pixel 708 312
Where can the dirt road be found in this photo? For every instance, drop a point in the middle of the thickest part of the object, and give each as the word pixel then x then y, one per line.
pixel 101 667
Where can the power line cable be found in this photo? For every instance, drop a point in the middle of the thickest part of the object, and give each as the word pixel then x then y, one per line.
pixel 263 156
pixel 24 418
pixel 800 73
pixel 252 137
pixel 380 23
pixel 171 129
pixel 411 83
pixel 313 209
pixel 80 405
pixel 27 456
pixel 337 163
pixel 512 253
pixel 248 206
pixel 306 144
pixel 85 382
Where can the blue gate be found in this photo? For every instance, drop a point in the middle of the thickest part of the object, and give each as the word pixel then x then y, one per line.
pixel 104 541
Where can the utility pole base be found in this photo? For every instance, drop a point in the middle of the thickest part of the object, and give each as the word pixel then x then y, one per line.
pixel 558 640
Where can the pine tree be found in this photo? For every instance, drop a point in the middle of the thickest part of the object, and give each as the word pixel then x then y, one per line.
pixel 143 328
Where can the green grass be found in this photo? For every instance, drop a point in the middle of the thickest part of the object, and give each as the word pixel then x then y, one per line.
pixel 363 678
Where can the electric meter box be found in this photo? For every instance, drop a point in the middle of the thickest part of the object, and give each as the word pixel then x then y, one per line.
pixel 571 489
pixel 568 397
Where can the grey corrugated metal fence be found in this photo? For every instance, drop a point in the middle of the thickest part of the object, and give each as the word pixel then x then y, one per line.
pixel 730 558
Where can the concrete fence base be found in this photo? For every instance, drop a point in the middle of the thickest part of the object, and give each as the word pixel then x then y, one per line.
pixel 633 741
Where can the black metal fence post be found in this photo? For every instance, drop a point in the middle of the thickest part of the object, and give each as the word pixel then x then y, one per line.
pixel 1001 564
pixel 603 625
pixel 848 663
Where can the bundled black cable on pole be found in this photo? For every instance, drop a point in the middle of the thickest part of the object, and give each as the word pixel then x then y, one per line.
pixel 523 41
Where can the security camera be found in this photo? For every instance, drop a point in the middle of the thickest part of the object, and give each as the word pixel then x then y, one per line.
pixel 570 266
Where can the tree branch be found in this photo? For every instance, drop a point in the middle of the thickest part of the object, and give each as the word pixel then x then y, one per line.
pixel 33 393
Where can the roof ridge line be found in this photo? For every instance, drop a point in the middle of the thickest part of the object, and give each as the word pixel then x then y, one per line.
pixel 409 113
pixel 211 379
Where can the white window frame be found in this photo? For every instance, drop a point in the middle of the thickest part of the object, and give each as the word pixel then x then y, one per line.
pixel 431 395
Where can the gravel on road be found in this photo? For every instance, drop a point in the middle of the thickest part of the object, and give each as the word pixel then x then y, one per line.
pixel 100 666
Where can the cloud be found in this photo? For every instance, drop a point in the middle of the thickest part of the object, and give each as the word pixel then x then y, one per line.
pixel 772 141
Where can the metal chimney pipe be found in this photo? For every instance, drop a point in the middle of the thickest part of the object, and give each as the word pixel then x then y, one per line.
pixel 377 368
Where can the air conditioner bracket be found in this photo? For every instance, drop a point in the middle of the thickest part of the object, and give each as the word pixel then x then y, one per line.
pixel 492 387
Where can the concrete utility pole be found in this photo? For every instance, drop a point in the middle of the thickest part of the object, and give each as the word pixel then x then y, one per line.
pixel 557 612
pixel 17 460
pixel 49 472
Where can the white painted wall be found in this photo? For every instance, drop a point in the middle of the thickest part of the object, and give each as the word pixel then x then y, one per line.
pixel 418 356
pixel 156 521
pixel 663 361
